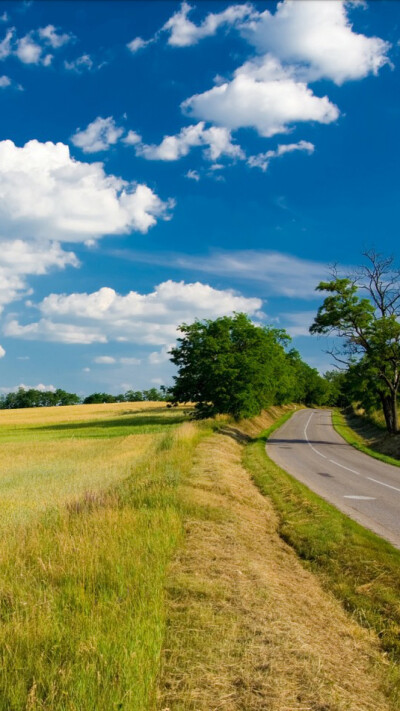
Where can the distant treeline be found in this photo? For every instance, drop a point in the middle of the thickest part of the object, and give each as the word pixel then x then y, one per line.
pixel 49 398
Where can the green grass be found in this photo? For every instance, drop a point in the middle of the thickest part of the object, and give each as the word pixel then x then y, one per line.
pixel 82 584
pixel 361 569
pixel 357 441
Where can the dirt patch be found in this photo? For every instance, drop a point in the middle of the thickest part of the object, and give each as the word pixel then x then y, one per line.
pixel 248 627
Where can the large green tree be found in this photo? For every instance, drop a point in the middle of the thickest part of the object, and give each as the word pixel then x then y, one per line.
pixel 230 366
pixel 363 310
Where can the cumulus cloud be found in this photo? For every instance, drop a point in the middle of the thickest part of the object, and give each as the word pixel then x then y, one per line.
pixel 4 81
pixel 262 160
pixel 184 33
pixel 46 194
pixel 104 360
pixel 55 39
pixel 2 352
pixel 319 38
pixel 217 142
pixel 262 95
pixel 32 48
pixel 20 259
pixel 148 319
pixel 98 135
pixel 132 138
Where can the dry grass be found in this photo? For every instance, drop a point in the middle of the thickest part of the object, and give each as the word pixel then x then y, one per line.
pixel 50 456
pixel 74 413
pixel 82 585
pixel 249 628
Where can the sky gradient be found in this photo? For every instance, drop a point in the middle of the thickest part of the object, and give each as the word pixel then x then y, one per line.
pixel 161 162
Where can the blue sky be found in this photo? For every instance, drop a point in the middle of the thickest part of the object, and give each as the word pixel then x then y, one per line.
pixel 161 162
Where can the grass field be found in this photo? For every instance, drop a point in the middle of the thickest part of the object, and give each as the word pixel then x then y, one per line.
pixel 90 520
pixel 142 570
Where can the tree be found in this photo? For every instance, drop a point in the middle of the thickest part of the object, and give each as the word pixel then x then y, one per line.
pixel 230 366
pixel 369 326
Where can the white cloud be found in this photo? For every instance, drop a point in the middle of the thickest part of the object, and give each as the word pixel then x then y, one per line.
pixel 148 319
pixel 98 135
pixel 132 138
pixel 80 64
pixel 138 43
pixel 104 360
pixel 51 36
pixel 31 48
pixel 279 273
pixel 40 386
pixel 47 331
pixel 4 81
pixel 193 175
pixel 216 142
pixel 2 352
pixel 262 95
pixel 184 33
pixel 28 50
pixel 46 194
pixel 5 44
pixel 4 17
pixel 19 259
pixel 262 160
pixel 161 356
pixel 317 37
pixel 110 360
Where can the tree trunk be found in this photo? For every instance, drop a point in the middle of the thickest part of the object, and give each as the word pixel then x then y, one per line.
pixel 389 405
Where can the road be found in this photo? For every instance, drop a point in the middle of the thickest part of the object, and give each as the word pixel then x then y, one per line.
pixel 364 488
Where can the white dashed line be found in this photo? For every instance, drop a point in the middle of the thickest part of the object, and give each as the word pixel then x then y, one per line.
pixel 382 483
pixel 343 467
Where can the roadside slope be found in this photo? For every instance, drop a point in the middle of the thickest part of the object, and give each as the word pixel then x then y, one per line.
pixel 249 628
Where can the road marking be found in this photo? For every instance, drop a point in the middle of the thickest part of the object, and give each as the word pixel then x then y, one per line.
pixel 383 483
pixel 308 441
pixel 343 467
pixel 361 498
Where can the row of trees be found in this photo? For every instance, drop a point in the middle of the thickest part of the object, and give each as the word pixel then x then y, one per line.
pixel 231 366
pixel 49 398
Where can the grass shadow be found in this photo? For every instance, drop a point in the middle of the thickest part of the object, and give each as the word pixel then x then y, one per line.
pixel 135 421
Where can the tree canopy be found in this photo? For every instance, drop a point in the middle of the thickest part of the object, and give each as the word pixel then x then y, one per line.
pixel 229 365
pixel 363 310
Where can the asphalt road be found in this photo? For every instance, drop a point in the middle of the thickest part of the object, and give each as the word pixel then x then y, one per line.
pixel 364 488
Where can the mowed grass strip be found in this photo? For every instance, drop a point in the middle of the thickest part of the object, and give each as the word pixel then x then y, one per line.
pixel 248 627
pixel 82 586
pixel 361 569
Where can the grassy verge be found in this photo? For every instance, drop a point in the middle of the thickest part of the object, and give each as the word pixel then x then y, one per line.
pixel 356 439
pixel 361 569
pixel 82 586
